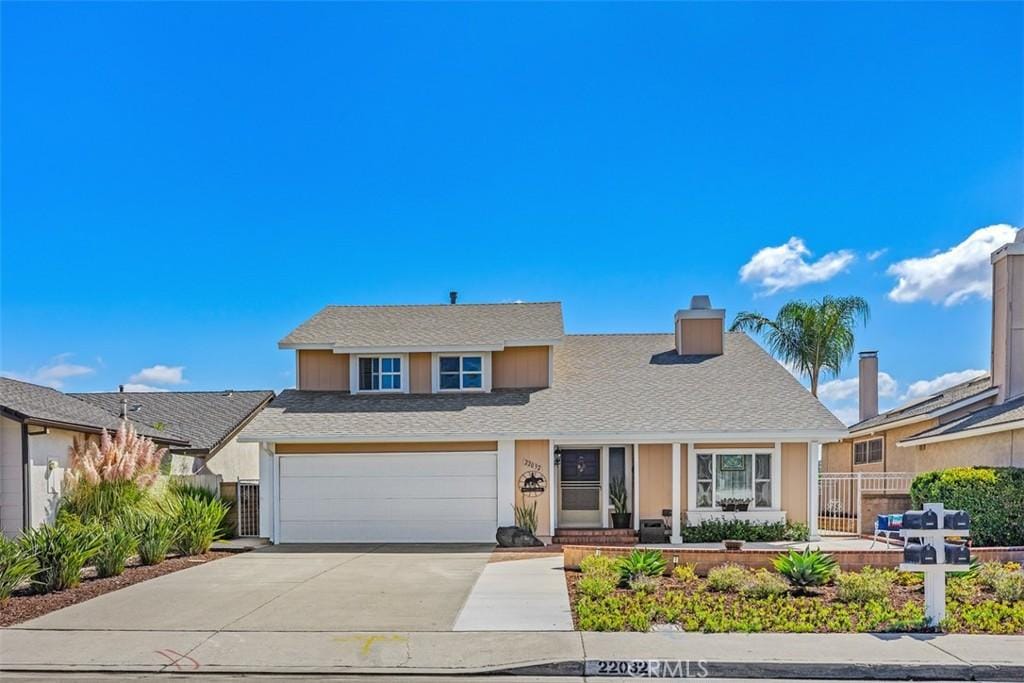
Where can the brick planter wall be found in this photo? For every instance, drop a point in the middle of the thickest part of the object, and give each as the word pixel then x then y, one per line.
pixel 706 558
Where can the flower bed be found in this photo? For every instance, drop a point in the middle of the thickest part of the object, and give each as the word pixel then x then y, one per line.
pixel 738 599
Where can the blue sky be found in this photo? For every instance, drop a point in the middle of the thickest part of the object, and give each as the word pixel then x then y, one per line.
pixel 184 183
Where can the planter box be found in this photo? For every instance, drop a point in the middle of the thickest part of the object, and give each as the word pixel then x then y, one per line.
pixel 695 517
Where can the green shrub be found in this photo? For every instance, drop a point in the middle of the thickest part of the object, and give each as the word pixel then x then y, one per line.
pixel 806 569
pixel 599 565
pixel 718 530
pixel 197 524
pixel 117 546
pixel 1010 587
pixel 993 496
pixel 989 573
pixel 687 573
pixel 600 614
pixel 597 586
pixel 643 583
pixel 764 584
pixel 183 489
pixel 61 550
pixel 641 563
pixel 864 586
pixel 154 534
pixel 727 578
pixel 104 501
pixel 16 567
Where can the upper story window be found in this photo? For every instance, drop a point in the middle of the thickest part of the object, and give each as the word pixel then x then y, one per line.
pixel 380 373
pixel 868 451
pixel 456 373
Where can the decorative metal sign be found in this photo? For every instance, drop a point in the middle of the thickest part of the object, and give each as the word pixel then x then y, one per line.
pixel 532 484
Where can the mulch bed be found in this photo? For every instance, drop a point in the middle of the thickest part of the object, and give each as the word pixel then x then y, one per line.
pixel 24 604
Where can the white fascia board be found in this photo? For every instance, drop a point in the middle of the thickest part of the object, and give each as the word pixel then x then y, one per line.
pixel 577 438
pixel 965 434
pixel 535 342
pixel 303 346
pixel 931 415
pixel 384 350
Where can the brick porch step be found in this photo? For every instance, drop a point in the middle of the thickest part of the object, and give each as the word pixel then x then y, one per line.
pixel 595 537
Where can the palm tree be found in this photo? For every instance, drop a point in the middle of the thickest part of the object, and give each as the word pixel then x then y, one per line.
pixel 810 336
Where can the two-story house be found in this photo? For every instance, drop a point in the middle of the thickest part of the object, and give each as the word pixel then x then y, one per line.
pixel 430 422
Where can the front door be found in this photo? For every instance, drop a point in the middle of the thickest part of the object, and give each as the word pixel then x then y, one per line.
pixel 580 487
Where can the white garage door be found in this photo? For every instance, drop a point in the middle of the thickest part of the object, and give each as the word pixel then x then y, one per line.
pixel 396 497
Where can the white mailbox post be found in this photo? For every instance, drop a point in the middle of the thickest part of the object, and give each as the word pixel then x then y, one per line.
pixel 934 574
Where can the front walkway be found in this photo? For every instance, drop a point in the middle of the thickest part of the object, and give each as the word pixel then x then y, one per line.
pixel 518 595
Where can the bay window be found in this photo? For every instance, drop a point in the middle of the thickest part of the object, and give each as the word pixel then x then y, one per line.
pixel 735 477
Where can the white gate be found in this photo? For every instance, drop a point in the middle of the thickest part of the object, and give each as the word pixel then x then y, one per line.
pixel 840 497
pixel 247 502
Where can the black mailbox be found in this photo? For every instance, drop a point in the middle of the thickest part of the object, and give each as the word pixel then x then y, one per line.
pixel 918 519
pixel 652 531
pixel 957 554
pixel 917 553
pixel 957 519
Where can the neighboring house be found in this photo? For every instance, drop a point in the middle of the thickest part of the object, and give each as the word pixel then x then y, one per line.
pixel 39 423
pixel 37 426
pixel 428 423
pixel 208 420
pixel 978 422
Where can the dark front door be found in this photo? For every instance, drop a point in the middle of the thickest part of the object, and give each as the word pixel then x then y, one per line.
pixel 580 487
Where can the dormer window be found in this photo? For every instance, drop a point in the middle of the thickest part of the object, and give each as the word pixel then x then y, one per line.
pixel 457 373
pixel 380 373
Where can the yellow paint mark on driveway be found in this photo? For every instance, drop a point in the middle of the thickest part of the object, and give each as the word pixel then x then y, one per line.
pixel 366 642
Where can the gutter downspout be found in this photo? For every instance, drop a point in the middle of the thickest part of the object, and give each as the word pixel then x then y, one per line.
pixel 26 480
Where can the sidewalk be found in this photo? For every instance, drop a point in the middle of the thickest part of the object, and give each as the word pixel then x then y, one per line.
pixel 558 653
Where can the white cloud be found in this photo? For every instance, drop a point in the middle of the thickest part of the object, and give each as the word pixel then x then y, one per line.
pixel 927 387
pixel 141 387
pixel 844 389
pixel 160 374
pixel 54 373
pixel 848 415
pixel 951 276
pixel 785 267
pixel 876 254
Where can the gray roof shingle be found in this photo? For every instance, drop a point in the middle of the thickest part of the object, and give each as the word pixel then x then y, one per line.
pixel 429 325
pixel 604 384
pixel 46 405
pixel 992 416
pixel 954 394
pixel 204 418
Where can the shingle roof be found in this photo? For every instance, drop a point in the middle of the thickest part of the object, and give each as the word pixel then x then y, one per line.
pixel 47 405
pixel 430 325
pixel 954 394
pixel 604 384
pixel 992 416
pixel 204 418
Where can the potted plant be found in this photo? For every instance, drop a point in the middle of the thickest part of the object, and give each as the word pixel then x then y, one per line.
pixel 619 498
pixel 727 504
pixel 742 504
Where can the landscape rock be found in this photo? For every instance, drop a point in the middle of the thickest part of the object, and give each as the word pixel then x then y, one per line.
pixel 515 537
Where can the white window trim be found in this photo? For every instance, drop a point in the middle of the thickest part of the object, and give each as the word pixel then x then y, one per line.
pixel 867 452
pixel 435 372
pixel 353 373
pixel 775 453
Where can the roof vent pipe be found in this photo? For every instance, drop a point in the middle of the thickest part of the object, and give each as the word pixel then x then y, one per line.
pixel 124 408
pixel 453 297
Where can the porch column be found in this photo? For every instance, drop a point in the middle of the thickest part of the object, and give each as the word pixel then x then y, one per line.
pixel 266 490
pixel 676 495
pixel 506 482
pixel 552 490
pixel 636 487
pixel 813 457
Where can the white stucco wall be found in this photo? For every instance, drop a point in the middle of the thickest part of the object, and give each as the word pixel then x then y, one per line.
pixel 47 484
pixel 11 515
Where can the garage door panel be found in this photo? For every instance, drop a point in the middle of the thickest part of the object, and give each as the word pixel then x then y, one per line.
pixel 412 497
pixel 392 464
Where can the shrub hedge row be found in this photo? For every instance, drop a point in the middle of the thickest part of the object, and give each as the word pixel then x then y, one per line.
pixel 994 497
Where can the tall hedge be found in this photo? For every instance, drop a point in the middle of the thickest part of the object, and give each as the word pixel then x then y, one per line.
pixel 994 497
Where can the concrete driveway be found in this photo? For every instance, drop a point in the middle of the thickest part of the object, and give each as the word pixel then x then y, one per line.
pixel 294 588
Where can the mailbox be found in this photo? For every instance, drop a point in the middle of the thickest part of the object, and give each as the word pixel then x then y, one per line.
pixel 920 553
pixel 917 519
pixel 957 519
pixel 957 554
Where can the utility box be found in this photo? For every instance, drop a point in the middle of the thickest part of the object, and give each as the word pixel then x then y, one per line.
pixel 957 554
pixel 956 519
pixel 920 519
pixel 652 531
pixel 920 553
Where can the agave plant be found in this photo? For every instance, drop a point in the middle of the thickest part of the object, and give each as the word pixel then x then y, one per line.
pixel 640 563
pixel 806 569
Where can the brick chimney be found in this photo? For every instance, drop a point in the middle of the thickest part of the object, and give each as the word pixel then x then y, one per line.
pixel 867 385
pixel 700 329
pixel 1008 319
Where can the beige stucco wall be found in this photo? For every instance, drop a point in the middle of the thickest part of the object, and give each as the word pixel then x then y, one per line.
pixel 392 447
pixel 1003 449
pixel 322 370
pixel 234 461
pixel 520 367
pixel 534 456
pixel 419 373
pixel 793 489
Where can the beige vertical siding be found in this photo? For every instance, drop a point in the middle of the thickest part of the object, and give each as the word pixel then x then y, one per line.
pixel 520 367
pixel 700 336
pixel 419 373
pixel 655 479
pixel 322 370
pixel 533 456
pixel 794 481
